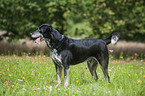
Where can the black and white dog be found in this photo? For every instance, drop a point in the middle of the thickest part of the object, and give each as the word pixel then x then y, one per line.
pixel 65 51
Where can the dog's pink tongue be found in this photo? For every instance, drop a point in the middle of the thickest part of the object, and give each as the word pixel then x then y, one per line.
pixel 38 40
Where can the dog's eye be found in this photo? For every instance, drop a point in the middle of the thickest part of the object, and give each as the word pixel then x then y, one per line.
pixel 40 30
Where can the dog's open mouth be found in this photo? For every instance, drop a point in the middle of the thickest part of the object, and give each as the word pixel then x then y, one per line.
pixel 37 35
pixel 38 40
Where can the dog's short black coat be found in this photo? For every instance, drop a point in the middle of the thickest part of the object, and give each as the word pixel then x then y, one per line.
pixel 65 51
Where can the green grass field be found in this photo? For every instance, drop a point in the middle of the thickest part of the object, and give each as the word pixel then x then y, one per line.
pixel 35 76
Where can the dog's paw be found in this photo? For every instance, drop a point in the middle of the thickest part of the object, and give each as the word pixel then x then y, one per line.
pixel 66 84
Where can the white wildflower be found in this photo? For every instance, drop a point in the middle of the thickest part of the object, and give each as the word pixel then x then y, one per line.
pixel 50 88
pixel 24 89
pixel 20 80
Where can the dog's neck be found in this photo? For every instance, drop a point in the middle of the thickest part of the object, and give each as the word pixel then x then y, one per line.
pixel 55 45
pixel 47 40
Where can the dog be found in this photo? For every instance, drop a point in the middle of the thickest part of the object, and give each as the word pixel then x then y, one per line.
pixel 65 51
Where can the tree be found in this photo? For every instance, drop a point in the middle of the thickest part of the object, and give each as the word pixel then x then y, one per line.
pixel 20 17
pixel 126 16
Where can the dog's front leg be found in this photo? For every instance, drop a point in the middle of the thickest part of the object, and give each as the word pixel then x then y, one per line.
pixel 58 73
pixel 66 76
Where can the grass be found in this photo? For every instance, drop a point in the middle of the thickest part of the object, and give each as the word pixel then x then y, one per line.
pixel 35 75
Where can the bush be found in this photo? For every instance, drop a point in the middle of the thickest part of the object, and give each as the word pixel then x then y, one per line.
pixel 126 16
pixel 19 18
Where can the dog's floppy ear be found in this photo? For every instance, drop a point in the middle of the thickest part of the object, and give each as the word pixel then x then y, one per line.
pixel 45 28
pixel 49 28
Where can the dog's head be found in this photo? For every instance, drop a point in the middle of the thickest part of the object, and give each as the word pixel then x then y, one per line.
pixel 43 31
pixel 46 31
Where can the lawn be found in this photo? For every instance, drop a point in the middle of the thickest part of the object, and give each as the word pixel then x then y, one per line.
pixel 35 75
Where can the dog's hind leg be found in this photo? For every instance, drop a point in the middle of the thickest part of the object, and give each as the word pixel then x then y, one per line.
pixel 104 67
pixel 103 60
pixel 92 65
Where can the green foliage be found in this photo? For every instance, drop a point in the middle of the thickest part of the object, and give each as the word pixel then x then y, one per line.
pixel 79 30
pixel 126 16
pixel 18 18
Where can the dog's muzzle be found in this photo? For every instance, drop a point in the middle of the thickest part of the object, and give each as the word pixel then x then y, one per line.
pixel 37 35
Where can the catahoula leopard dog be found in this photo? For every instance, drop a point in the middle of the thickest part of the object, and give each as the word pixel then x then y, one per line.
pixel 65 51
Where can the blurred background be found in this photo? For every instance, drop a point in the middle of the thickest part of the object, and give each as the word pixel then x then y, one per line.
pixel 73 18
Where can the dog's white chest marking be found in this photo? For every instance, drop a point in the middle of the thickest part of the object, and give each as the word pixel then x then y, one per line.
pixel 48 43
pixel 56 57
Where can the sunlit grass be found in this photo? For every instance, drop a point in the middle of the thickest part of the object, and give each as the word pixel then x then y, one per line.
pixel 35 75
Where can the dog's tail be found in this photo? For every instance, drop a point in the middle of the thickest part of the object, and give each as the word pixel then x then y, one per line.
pixel 113 38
